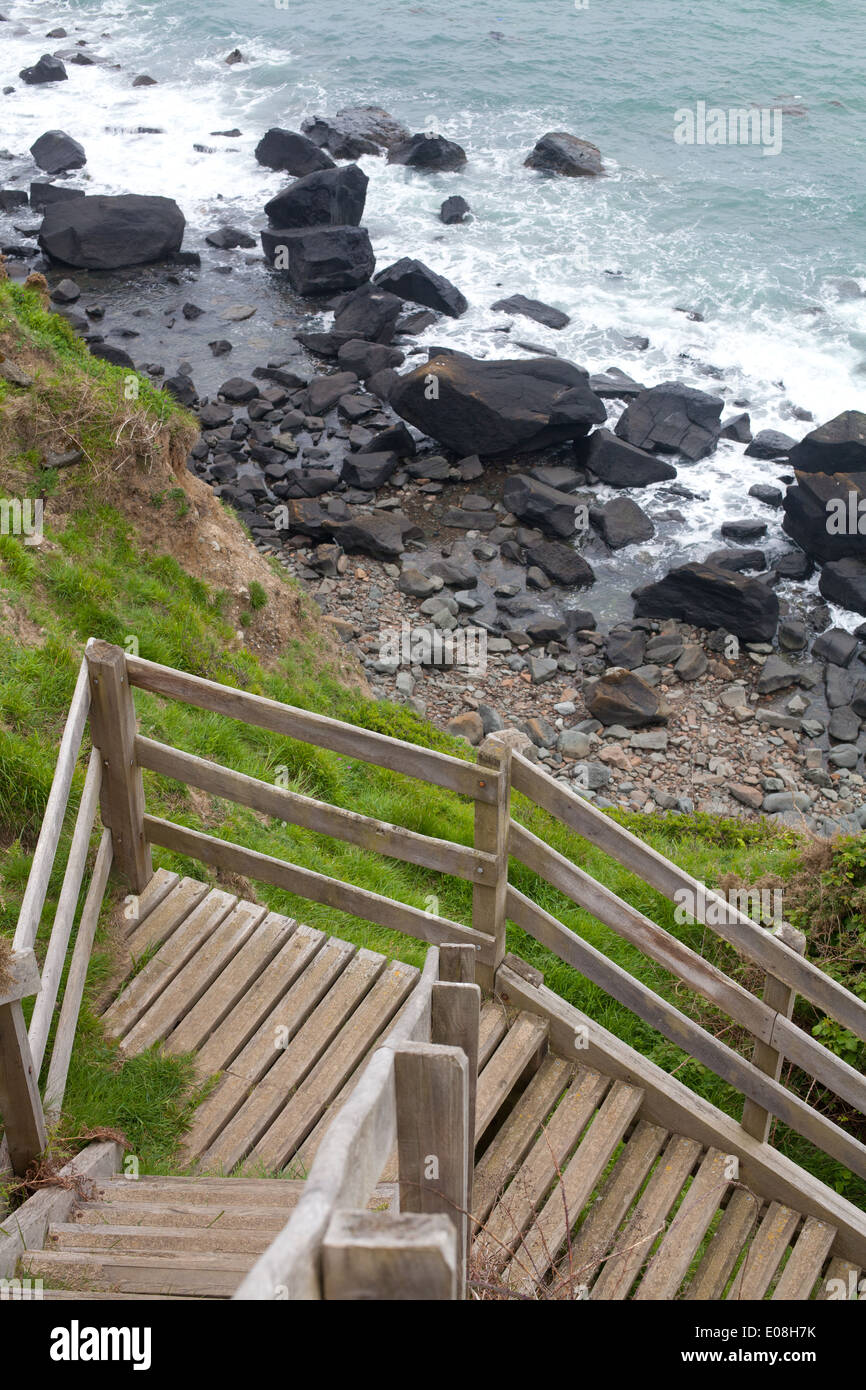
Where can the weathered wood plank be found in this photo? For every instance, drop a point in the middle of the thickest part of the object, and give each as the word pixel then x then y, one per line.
pixel 159 924
pixel 23 977
pixel 36 891
pixel 31 1220
pixel 362 744
pixel 112 728
pixel 841 1282
pixel 161 1240
pixel 374 835
pixel 504 1155
pixel 407 1257
pixel 765 1253
pixel 455 1011
pixel 517 1056
pixel 492 1029
pixel 192 1274
pixel 806 1261
pixel 20 1102
pixel 670 1263
pixel 491 835
pixel 318 888
pixel 739 1220
pixel 456 964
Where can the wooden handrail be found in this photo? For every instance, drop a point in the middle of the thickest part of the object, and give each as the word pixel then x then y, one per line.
pixel 36 891
pixel 440 769
pixel 764 1023
pixel 739 931
pixel 686 1034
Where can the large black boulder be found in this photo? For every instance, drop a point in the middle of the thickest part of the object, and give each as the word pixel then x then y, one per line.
pixel 41 194
pixel 107 233
pixel 672 418
pixel 622 522
pixel 487 407
pixel 620 464
pixel 430 153
pixel 412 279
pixel 453 210
pixel 356 130
pixel 711 597
pixel 839 446
pixel 557 152
pixel 369 313
pixel 48 69
pixel 542 506
pixel 321 260
pixel 844 582
pixel 824 514
pixel 533 309
pixel 292 152
pixel 561 563
pixel 56 152
pixel 329 197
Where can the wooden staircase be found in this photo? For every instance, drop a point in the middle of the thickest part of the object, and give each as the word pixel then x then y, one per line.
pixel 575 1193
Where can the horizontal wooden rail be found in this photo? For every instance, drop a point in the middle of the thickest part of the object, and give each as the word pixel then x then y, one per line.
pixel 738 930
pixel 696 973
pixel 58 943
pixel 349 1161
pixel 377 836
pixel 61 1051
pixel 440 769
pixel 52 821
pixel 686 1034
pixel 317 888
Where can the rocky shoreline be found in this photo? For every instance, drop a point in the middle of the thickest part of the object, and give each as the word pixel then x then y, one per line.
pixel 415 489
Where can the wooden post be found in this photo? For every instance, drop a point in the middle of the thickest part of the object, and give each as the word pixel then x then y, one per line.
pixel 403 1257
pixel 112 727
pixel 432 1089
pixel 455 1014
pixel 20 1104
pixel 778 996
pixel 457 964
pixel 491 834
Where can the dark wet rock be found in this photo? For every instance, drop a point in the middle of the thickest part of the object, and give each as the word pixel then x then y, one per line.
pixel 107 233
pixel 417 322
pixel 238 390
pixel 383 536
pixel 368 471
pixel 621 522
pixel 824 514
pixel 561 564
pixel 356 130
pixel 56 152
pixel 844 582
pixel 621 697
pixel 429 153
pixel 213 416
pixel 66 292
pixel 229 238
pixel 107 352
pixel 738 428
pixel 369 313
pixel 191 312
pixel 737 560
pixel 321 260
pixel 844 724
pixel 412 279
pixel 839 446
pixel 533 309
pixel 672 418
pixel 770 496
pixel 835 645
pixel 234 57
pixel 382 383
pixel 557 152
pixel 453 210
pixel 181 387
pixel 770 444
pixel 693 663
pixel 625 647
pixel 775 675
pixel 614 461
pixel 48 69
pixel 793 636
pixel 42 195
pixel 328 197
pixel 12 198
pixel 562 478
pixel 485 407
pixel 711 597
pixel 744 529
pixel 144 80
pixel 615 385
pixel 364 359
pixel 324 392
pixel 544 506
pixel 291 152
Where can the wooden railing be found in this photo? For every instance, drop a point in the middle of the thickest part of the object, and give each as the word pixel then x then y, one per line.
pixel 104 690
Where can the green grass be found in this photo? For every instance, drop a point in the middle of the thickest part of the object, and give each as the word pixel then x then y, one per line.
pixel 95 578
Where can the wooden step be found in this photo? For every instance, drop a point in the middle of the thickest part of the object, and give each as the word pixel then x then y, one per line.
pixel 201 1276
pixel 233 1034
pixel 166 1240
pixel 517 1056
pixel 258 1112
pixel 806 1261
pixel 517 1205
pixel 204 1191
pixel 646 1223
pixel 229 1217
pixel 321 1086
pixel 573 1188
pixel 507 1151
pixel 266 1046
pixel 197 975
pixel 737 1224
pixel 230 985
pixel 80 1295
pixel 159 924
pixel 764 1254
pixel 672 1261
pixel 144 989
pixel 592 1242
pixel 492 1027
